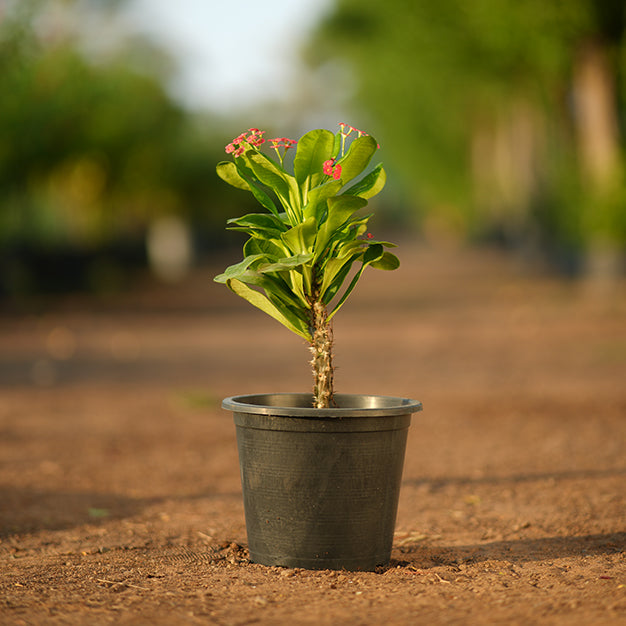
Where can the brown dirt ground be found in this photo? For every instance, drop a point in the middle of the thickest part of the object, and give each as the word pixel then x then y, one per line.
pixel 119 482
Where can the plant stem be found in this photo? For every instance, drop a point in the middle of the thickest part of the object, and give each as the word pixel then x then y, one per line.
pixel 322 362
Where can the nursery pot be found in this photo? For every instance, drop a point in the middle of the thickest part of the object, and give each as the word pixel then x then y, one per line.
pixel 321 486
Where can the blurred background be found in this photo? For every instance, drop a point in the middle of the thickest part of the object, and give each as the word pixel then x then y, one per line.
pixel 502 123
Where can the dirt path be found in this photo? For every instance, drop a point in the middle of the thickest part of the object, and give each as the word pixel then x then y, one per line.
pixel 120 499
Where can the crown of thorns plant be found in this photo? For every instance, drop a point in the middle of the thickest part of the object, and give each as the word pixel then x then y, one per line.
pixel 300 252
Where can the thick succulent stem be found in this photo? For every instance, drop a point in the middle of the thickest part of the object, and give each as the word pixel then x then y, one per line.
pixel 322 362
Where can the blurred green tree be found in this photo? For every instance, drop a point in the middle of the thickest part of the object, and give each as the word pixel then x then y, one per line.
pixel 501 117
pixel 92 150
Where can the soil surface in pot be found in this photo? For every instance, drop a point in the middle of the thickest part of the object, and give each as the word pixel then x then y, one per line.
pixel 120 499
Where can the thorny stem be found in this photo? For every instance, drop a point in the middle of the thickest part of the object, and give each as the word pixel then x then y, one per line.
pixel 322 361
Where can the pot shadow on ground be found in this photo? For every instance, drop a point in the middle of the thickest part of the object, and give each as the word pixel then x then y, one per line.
pixel 420 556
pixel 26 511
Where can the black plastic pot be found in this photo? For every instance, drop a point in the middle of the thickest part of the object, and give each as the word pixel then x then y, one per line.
pixel 321 486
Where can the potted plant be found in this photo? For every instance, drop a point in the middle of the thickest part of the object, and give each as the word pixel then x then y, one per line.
pixel 320 471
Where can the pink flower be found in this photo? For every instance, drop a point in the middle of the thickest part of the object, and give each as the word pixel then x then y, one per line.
pixel 256 137
pixel 235 144
pixel 337 172
pixel 283 142
pixel 252 137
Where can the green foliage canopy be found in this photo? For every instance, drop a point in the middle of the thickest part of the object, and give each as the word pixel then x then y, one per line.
pixel 430 74
pixel 301 252
pixel 91 150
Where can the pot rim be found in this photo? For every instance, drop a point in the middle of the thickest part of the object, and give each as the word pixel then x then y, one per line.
pixel 300 405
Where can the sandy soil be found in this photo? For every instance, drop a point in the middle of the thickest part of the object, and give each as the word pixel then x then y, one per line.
pixel 119 481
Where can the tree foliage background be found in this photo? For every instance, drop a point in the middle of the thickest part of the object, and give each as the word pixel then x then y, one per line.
pixel 92 149
pixel 504 119
pixel 500 121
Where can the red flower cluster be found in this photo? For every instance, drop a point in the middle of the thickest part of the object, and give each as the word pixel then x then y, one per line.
pixel 252 137
pixel 282 142
pixel 330 169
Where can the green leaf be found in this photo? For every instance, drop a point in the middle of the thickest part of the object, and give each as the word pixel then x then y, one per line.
pixel 369 185
pixel 276 286
pixel 314 148
pixel 371 255
pixel 340 210
pixel 287 263
pixel 236 270
pixel 272 248
pixel 359 155
pixel 335 272
pixel 299 283
pixel 267 172
pixel 320 194
pixel 263 198
pixel 301 238
pixel 387 244
pixel 229 173
pixel 335 269
pixel 296 308
pixel 257 299
pixel 360 226
pixel 260 220
pixel 275 177
pixel 387 262
pixel 233 175
pixel 258 225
